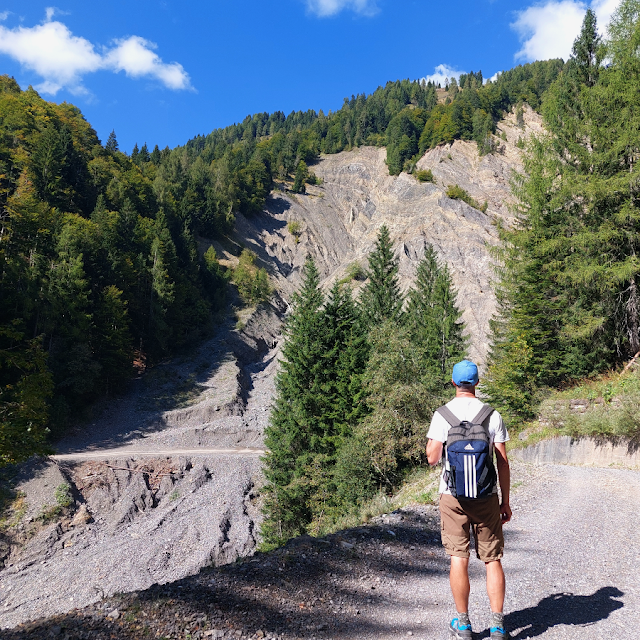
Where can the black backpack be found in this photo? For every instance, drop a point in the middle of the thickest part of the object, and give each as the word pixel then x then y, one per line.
pixel 471 472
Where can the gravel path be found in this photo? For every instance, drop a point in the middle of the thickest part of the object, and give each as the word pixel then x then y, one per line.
pixel 122 452
pixel 572 571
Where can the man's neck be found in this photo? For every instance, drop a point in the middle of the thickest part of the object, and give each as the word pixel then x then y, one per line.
pixel 465 393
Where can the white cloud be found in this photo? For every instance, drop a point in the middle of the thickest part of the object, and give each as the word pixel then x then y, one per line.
pixel 442 74
pixel 135 56
pixel 325 8
pixel 548 30
pixel 53 52
pixel 493 78
pixel 62 59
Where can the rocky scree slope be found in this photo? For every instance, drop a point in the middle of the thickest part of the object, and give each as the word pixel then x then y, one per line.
pixel 79 531
pixel 339 220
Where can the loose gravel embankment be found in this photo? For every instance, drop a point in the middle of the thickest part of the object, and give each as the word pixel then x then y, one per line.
pixel 159 487
pixel 571 563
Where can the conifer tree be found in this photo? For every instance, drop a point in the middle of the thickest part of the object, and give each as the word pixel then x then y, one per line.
pixel 112 142
pixel 316 409
pixel 569 269
pixel 293 430
pixel 434 319
pixel 584 60
pixel 381 298
pixel 299 183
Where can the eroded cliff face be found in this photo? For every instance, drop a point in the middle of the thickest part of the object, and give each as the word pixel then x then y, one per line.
pixel 339 220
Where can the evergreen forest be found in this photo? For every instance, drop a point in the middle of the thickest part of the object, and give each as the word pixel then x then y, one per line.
pixel 568 270
pixel 357 387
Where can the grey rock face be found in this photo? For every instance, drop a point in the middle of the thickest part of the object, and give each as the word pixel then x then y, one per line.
pixel 340 219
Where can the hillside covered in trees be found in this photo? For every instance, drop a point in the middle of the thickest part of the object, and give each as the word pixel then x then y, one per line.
pixel 98 248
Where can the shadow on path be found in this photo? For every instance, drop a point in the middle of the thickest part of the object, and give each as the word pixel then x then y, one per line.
pixel 563 608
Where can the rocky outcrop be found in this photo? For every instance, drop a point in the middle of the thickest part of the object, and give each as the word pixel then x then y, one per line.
pixel 339 219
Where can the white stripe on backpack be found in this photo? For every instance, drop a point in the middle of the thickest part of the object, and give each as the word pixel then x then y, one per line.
pixel 470 485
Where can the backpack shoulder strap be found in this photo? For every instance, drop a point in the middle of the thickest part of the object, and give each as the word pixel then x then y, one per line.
pixel 449 416
pixel 483 414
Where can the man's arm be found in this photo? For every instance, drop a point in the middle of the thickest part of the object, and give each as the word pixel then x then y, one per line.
pixel 504 478
pixel 434 452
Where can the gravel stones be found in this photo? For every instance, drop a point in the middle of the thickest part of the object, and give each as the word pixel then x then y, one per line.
pixel 570 574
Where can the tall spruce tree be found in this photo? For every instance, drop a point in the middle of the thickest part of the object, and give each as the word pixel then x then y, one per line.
pixel 584 61
pixel 433 318
pixel 570 271
pixel 317 406
pixel 381 298
pixel 293 431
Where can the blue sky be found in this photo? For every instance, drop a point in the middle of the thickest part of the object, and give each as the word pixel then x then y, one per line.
pixel 163 71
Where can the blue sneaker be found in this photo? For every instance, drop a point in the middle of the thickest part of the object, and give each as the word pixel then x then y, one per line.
pixel 461 629
pixel 498 630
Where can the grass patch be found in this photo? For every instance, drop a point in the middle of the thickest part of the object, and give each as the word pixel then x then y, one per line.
pixel 605 408
pixel 420 486
pixel 14 506
pixel 458 193
pixel 295 229
pixel 355 271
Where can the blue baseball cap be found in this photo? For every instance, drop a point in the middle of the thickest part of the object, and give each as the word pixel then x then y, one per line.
pixel 465 372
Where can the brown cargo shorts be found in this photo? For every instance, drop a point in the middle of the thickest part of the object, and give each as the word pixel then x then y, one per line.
pixel 458 516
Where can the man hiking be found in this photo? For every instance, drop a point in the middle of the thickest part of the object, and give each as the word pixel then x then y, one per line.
pixel 470 432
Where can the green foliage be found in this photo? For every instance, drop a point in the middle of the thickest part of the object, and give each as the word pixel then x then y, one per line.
pixel 355 271
pixel 403 134
pixel 62 495
pixel 424 175
pixel 252 281
pixel 294 227
pixel 458 193
pixel 569 272
pixel 26 386
pixel 97 253
pixel 302 174
pixel 433 321
pixel 483 128
pixel 353 408
pixel 316 406
pixel 381 298
pixel 394 433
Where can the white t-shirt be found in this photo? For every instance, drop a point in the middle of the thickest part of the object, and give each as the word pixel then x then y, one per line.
pixel 464 409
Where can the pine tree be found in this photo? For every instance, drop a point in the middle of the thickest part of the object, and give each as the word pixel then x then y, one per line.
pixel 570 273
pixel 112 142
pixel 293 431
pixel 381 298
pixel 584 62
pixel 299 183
pixel 434 319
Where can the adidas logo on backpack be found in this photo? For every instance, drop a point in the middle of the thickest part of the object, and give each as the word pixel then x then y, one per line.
pixel 471 472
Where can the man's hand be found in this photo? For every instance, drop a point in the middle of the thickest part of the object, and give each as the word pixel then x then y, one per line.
pixel 505 513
